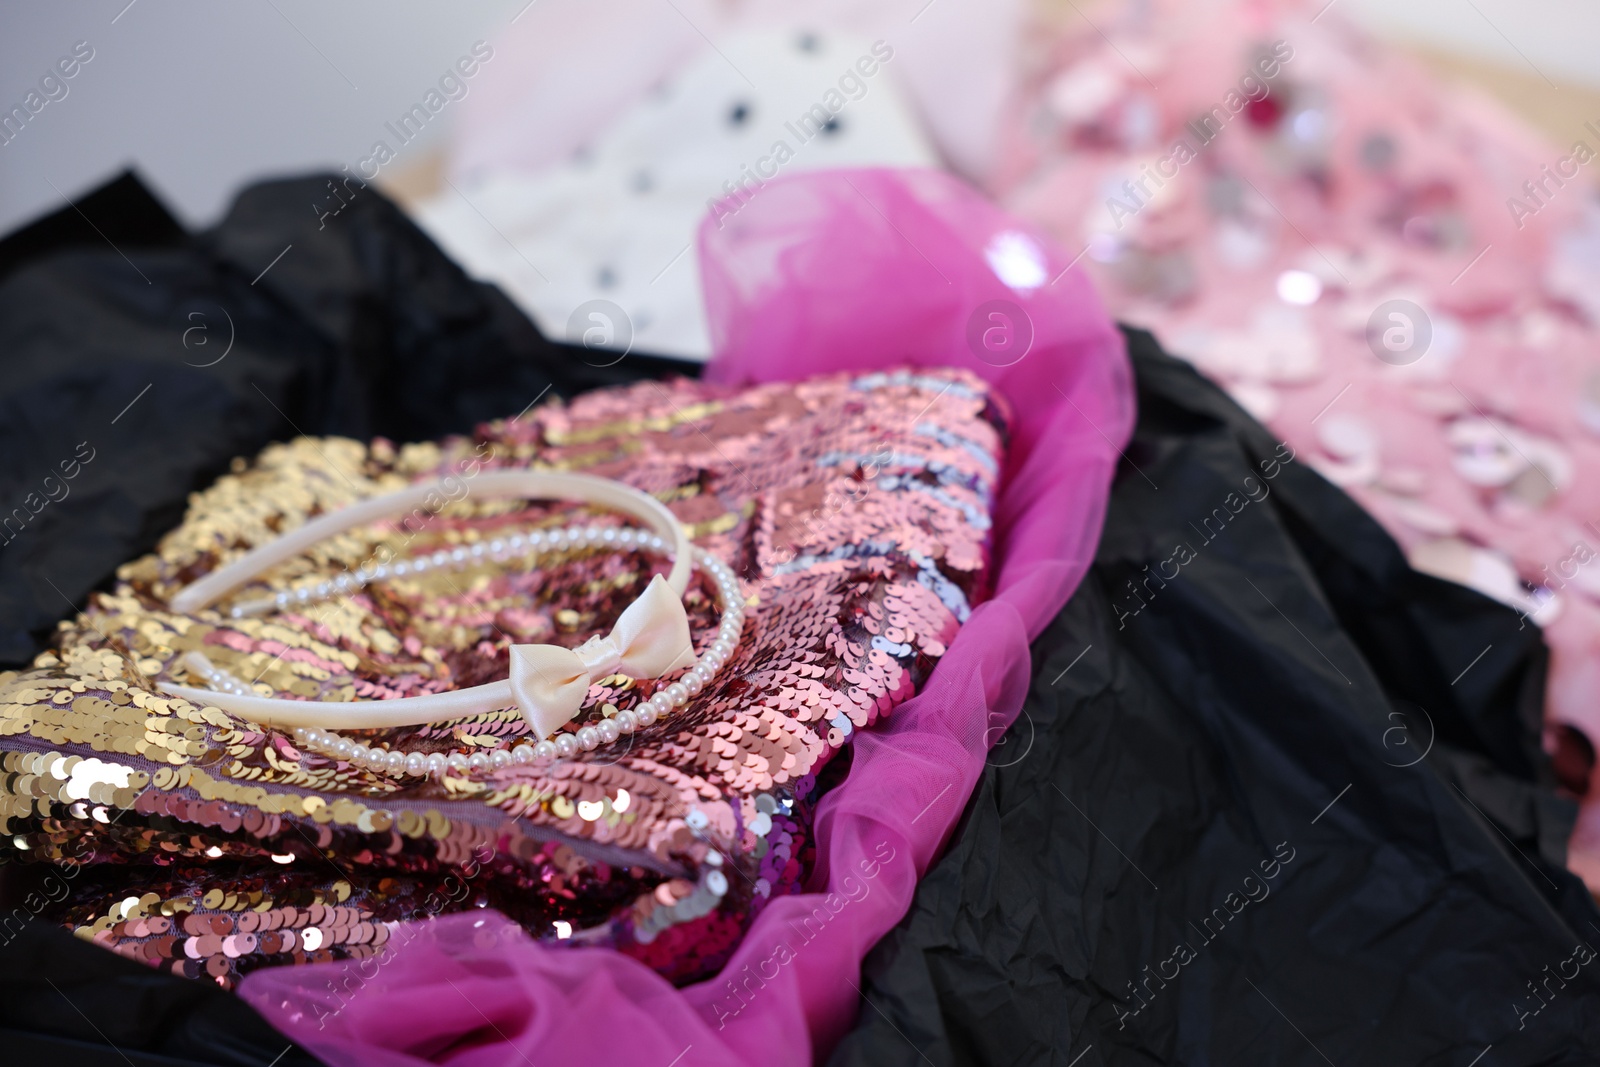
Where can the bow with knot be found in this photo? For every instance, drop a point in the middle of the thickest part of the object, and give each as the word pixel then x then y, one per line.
pixel 651 638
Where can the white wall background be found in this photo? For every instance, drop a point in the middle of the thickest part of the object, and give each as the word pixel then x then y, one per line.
pixel 1558 40
pixel 203 97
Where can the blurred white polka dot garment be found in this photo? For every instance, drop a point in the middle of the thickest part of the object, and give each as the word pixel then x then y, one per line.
pixel 617 222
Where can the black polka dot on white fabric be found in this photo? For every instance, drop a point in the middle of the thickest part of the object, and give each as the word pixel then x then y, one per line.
pixel 807 42
pixel 605 278
pixel 643 181
pixel 739 114
pixel 833 127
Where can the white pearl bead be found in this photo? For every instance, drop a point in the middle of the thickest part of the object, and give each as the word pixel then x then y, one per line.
pixel 566 745
pixel 497 547
pixel 589 738
pixel 416 764
pixel 625 722
pixel 534 539
pixel 396 762
pixel 677 694
pixel 645 714
pixel 499 759
pixel 608 731
pixel 591 534
pixel 456 762
pixel 477 551
pixel 661 703
pixel 418 565
pixel 281 599
pixel 545 750
pixel 522 754
pixel 458 555
pixel 478 762
pixel 693 683
pixel 436 763
pixel 344 749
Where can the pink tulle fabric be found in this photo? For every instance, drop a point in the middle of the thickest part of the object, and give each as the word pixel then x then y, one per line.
pixel 867 271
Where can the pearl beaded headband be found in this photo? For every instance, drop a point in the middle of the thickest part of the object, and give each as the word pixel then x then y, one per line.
pixel 547 682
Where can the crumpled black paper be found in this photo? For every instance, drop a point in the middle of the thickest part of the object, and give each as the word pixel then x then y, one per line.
pixel 67 1003
pixel 1275 798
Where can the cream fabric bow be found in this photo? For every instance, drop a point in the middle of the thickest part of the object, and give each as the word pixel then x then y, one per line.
pixel 650 639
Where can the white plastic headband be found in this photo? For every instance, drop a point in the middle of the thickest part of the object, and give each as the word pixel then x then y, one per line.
pixel 531 485
pixel 547 682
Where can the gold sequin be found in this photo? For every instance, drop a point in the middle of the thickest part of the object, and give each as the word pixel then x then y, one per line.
pixel 853 588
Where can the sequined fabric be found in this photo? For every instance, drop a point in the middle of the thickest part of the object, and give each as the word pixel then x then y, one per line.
pixel 854 508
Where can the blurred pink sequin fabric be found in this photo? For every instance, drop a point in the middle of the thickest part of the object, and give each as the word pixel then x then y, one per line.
pixel 1393 274
pixel 857 271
